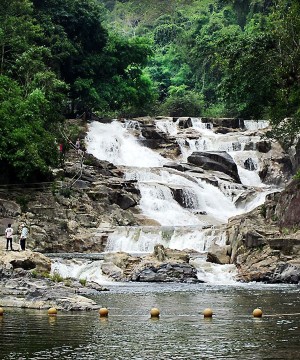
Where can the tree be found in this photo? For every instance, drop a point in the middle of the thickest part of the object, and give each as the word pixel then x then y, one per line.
pixel 17 30
pixel 27 149
pixel 285 109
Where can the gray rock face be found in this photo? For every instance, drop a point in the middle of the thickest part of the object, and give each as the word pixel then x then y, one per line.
pixel 265 243
pixel 167 272
pixel 215 160
pixel 249 164
pixel 27 292
pixel 263 146
pixel 164 265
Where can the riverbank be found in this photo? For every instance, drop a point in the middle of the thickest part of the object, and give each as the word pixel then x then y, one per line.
pixel 26 283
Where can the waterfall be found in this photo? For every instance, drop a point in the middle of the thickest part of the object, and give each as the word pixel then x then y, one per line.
pixel 142 239
pixel 180 199
pixel 80 269
pixel 190 208
pixel 114 143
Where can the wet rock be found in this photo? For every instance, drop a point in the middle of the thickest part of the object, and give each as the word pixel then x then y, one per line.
pixel 167 272
pixel 250 165
pixel 164 265
pixel 286 273
pixel 150 132
pixel 263 146
pixel 219 254
pixel 232 123
pixel 185 122
pixel 215 160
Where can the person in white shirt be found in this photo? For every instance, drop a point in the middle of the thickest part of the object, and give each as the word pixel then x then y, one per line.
pixel 9 236
pixel 23 237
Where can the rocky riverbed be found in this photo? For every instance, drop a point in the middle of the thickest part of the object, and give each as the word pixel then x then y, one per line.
pixel 25 282
pixel 88 199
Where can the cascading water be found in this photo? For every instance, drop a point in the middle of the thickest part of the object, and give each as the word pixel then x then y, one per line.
pixel 189 211
pixel 80 269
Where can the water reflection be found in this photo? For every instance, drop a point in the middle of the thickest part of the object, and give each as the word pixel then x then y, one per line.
pixel 180 333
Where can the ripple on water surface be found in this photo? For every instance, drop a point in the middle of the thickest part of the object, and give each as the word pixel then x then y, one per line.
pixel 180 333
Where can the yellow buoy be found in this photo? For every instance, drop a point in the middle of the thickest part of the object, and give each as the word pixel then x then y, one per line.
pixel 257 313
pixel 207 313
pixel 1 311
pixel 52 312
pixel 103 312
pixel 155 313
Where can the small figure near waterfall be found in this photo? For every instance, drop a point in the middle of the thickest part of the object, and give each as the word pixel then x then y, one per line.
pixel 9 236
pixel 77 146
pixel 62 150
pixel 23 237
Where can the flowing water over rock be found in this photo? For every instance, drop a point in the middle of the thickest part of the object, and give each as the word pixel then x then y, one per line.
pixel 192 174
pixel 183 205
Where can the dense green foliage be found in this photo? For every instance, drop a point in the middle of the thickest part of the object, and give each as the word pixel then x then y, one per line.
pixel 229 58
pixel 57 60
pixel 130 57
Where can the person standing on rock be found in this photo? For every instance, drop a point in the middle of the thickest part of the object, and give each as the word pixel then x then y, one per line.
pixel 77 146
pixel 23 237
pixel 9 236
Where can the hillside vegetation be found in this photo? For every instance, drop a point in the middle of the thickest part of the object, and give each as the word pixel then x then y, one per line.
pixel 63 58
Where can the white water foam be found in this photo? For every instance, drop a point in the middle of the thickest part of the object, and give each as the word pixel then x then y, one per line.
pixel 112 142
pixel 142 239
pixel 215 273
pixel 187 208
pixel 80 270
pixel 256 124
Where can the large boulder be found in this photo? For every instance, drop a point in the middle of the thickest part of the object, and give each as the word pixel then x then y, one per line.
pixel 166 272
pixel 163 265
pixel 219 254
pixel 26 291
pixel 26 260
pixel 217 161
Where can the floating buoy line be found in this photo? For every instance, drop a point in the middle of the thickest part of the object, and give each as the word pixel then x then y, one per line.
pixel 155 313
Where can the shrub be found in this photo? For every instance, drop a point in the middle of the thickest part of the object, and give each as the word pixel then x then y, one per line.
pixel 182 102
pixel 83 282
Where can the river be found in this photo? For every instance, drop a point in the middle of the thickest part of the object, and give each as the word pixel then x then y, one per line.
pixel 180 333
pixel 194 223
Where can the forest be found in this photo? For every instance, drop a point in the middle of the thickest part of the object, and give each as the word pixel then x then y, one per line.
pixel 217 58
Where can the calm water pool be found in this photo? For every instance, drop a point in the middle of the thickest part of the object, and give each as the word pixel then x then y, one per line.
pixel 180 333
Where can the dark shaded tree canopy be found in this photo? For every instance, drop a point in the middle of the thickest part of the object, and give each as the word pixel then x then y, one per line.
pixel 60 58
